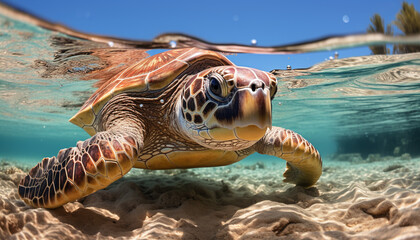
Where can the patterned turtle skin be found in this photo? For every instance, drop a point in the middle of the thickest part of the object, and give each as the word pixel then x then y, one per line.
pixel 182 108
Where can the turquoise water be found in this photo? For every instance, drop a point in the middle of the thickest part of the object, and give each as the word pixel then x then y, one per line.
pixel 341 106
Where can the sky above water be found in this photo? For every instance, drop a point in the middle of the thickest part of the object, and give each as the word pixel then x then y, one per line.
pixel 266 22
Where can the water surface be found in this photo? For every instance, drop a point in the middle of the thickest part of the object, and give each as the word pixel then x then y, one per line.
pixel 41 88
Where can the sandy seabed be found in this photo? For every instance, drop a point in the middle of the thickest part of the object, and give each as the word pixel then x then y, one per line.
pixel 378 200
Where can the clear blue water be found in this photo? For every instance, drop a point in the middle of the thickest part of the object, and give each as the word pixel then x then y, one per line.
pixel 345 99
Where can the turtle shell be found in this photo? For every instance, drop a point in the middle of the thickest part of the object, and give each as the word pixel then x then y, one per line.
pixel 152 73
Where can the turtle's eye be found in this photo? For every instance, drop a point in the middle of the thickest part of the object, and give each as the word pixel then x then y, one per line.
pixel 215 87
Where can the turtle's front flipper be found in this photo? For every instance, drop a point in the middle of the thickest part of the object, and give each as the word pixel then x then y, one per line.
pixel 304 164
pixel 82 170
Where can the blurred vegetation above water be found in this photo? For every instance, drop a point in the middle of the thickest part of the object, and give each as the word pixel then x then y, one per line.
pixel 407 21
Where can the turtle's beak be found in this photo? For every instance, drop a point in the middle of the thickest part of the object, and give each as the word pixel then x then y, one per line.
pixel 255 113
pixel 254 108
pixel 248 113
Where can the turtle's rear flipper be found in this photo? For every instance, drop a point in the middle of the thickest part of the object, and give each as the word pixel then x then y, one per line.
pixel 82 170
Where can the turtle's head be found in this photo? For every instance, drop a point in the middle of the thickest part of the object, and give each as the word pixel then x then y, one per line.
pixel 227 107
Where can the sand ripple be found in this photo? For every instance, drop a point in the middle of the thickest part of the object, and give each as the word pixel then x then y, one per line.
pixel 351 201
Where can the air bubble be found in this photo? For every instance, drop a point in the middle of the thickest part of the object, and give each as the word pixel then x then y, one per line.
pixel 141 105
pixel 161 101
pixel 110 43
pixel 254 41
pixel 172 43
pixel 346 19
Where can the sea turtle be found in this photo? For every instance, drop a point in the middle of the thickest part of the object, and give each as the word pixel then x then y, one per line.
pixel 182 108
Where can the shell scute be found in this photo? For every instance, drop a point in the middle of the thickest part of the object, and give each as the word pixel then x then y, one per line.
pixel 133 84
pixel 152 73
pixel 163 76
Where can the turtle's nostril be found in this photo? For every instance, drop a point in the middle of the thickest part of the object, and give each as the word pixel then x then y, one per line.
pixel 253 87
